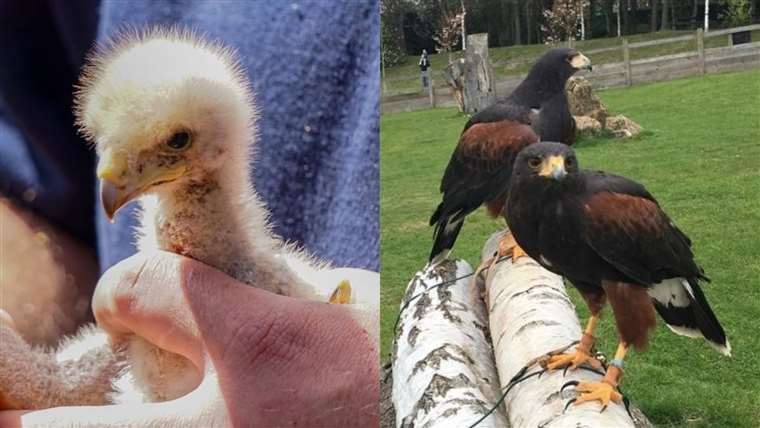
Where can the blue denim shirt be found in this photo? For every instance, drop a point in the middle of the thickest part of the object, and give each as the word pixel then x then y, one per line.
pixel 314 67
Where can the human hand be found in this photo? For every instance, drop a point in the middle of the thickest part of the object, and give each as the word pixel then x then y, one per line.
pixel 268 359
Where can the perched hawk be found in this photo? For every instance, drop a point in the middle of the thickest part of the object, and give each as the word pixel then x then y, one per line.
pixel 608 236
pixel 481 165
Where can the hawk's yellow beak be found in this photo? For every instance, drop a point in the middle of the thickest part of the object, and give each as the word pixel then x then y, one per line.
pixel 554 167
pixel 118 187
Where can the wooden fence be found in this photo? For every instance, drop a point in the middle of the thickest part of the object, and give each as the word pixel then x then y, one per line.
pixel 626 73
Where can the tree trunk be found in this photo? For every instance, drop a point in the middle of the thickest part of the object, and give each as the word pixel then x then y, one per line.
pixel 478 83
pixel 752 8
pixel 531 315
pixel 529 31
pixel 653 17
pixel 516 19
pixel 608 12
pixel 504 23
pixel 665 15
pixel 443 370
pixel 634 16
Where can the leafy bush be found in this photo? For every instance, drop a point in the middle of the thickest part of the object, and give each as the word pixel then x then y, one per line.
pixel 736 13
pixel 393 53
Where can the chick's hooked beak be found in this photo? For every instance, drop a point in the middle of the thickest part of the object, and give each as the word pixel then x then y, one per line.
pixel 554 167
pixel 118 186
pixel 581 62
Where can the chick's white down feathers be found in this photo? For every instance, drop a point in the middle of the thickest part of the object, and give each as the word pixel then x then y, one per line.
pixel 142 88
pixel 137 93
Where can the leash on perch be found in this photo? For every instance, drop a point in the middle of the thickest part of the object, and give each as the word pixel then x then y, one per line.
pixel 541 361
pixel 521 375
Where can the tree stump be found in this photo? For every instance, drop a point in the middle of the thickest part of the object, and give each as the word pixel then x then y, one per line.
pixel 583 101
pixel 479 90
pixel 591 115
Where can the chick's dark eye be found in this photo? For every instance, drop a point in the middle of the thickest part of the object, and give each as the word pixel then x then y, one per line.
pixel 570 162
pixel 534 162
pixel 180 140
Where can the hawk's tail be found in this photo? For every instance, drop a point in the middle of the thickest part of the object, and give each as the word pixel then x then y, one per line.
pixel 445 234
pixel 683 307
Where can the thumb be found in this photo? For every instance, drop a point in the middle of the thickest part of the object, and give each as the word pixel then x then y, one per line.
pixel 274 354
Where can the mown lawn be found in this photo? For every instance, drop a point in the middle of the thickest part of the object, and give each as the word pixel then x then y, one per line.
pixel 404 79
pixel 700 156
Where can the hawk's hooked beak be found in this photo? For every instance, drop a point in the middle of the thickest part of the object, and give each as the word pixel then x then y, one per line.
pixel 554 167
pixel 118 187
pixel 581 62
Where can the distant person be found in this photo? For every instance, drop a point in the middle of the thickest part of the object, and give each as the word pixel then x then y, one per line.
pixel 424 73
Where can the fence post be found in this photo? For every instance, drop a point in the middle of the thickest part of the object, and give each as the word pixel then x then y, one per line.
pixel 431 90
pixel 627 61
pixel 701 50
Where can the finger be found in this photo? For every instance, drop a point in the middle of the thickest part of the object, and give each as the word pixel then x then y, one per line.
pixel 143 295
pixel 275 354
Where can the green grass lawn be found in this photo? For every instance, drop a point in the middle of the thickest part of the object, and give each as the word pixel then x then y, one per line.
pixel 404 79
pixel 700 156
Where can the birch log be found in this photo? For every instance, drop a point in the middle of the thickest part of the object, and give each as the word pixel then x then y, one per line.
pixel 443 369
pixel 530 315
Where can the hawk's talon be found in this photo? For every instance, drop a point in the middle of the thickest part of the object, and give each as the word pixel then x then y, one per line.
pixel 570 383
pixel 603 392
pixel 627 404
pixel 508 246
pixel 571 401
pixel 573 360
pixel 541 373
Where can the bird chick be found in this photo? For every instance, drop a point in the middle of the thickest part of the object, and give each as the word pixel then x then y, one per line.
pixel 173 120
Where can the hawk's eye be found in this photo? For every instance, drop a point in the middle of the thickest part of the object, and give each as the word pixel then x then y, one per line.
pixel 569 162
pixel 179 141
pixel 534 162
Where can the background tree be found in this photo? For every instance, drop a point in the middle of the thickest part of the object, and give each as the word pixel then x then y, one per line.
pixel 561 21
pixel 449 31
pixel 665 21
pixel 392 43
pixel 390 47
pixel 736 12
pixel 653 16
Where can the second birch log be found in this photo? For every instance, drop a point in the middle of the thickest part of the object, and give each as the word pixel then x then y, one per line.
pixel 530 314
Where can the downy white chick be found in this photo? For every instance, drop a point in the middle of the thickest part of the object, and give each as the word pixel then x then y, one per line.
pixel 173 120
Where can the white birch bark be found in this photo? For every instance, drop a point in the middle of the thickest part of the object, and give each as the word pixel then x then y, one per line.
pixel 530 315
pixel 443 369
